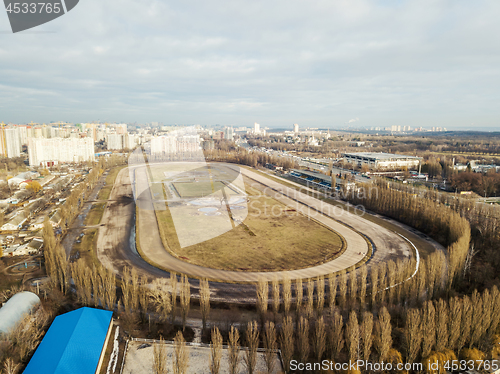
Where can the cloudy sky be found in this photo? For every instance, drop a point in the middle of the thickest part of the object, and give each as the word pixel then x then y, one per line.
pixel 317 63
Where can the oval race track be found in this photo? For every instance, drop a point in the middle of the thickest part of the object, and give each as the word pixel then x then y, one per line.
pixel 115 251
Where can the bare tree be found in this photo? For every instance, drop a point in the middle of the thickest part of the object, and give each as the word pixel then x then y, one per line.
pixel 161 299
pixel 442 332
pixel 299 294
pixel 9 367
pixel 374 282
pixel 144 296
pixel 336 334
pixel 287 293
pixel 352 336
pixel 181 354
pixel 262 298
pixel 366 330
pixel 310 298
pixel 342 288
pixel 454 322
pixel 495 305
pixel 276 296
pixel 234 350
pixel 173 287
pixel 413 334
pixel 204 301
pixel 428 323
pixel 215 351
pixel 270 345
pixel 185 300
pixel 110 288
pixel 353 285
pixel 383 342
pixel 465 327
pixel 126 288
pixel 286 342
pixel 134 289
pixel 303 339
pixel 320 338
pixel 363 273
pixel 160 357
pixel 28 333
pixel 320 294
pixel 332 286
pixel 391 276
pixel 252 339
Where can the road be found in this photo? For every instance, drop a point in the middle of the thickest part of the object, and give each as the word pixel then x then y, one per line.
pixel 77 226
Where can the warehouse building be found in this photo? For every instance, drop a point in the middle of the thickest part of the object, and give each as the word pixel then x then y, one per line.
pixel 382 160
pixel 75 343
pixel 318 180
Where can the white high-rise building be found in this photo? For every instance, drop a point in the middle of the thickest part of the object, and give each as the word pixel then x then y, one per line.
pixel 296 128
pixel 12 142
pixel 175 143
pixel 256 128
pixel 114 141
pixel 121 128
pixel 129 141
pixel 44 152
pixel 229 133
pixel 23 134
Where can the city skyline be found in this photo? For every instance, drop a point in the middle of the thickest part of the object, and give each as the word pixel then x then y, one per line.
pixel 330 65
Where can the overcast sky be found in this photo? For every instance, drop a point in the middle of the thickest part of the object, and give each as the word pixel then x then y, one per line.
pixel 316 63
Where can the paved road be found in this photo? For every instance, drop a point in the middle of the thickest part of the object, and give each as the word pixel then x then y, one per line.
pixel 77 226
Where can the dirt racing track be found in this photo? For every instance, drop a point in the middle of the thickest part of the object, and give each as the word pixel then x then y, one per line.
pixel 116 247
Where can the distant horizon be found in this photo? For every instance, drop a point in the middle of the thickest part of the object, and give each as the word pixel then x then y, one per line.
pixel 345 127
pixel 319 64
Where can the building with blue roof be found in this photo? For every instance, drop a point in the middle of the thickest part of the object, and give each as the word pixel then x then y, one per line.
pixel 74 344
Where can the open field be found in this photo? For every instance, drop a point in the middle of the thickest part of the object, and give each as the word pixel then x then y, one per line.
pixel 95 214
pixel 86 250
pixel 187 189
pixel 139 359
pixel 110 180
pixel 273 237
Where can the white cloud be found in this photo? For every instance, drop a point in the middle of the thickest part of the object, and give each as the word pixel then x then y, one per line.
pixel 284 61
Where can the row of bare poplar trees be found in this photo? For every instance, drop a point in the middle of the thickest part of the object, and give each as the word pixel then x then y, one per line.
pixel 444 225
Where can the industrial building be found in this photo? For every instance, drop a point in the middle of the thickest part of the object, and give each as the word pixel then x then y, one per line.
pixel 318 180
pixel 75 343
pixel 47 152
pixel 14 310
pixel 382 160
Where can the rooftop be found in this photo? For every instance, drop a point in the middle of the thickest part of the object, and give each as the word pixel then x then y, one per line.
pixel 380 155
pixel 15 309
pixel 73 343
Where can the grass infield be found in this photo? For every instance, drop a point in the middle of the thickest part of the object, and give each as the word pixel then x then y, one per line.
pixel 273 237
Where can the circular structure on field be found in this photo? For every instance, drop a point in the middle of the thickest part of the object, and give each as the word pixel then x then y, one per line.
pixel 208 210
pixel 24 267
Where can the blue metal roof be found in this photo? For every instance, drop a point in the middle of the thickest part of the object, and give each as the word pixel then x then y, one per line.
pixel 73 343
